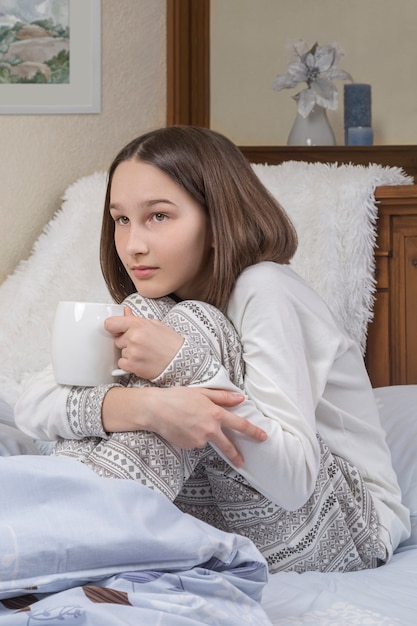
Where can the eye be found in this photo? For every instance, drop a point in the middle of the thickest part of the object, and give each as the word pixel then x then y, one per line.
pixel 122 220
pixel 159 217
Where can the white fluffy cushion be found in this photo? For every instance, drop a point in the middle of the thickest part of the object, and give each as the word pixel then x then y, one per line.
pixel 64 265
pixel 398 409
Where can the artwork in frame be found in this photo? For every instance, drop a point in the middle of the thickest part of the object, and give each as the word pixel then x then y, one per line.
pixel 50 56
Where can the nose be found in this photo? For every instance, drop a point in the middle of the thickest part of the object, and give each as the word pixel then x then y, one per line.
pixel 137 241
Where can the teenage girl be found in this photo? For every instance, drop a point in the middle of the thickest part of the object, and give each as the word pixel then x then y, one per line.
pixel 288 450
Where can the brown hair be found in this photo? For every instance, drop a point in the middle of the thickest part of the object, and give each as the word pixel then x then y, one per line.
pixel 248 224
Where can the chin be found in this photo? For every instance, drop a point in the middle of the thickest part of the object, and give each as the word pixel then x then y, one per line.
pixel 152 294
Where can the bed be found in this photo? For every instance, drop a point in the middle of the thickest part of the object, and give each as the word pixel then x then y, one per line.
pixel 75 548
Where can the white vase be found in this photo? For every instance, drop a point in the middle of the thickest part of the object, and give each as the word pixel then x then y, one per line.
pixel 313 130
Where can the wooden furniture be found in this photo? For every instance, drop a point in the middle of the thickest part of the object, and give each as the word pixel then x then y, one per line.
pixel 188 62
pixel 392 341
pixel 399 156
pixel 392 337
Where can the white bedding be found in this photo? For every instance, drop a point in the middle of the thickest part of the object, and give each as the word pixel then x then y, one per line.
pixel 76 548
pixel 383 597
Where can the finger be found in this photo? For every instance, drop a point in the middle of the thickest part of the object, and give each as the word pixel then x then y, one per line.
pixel 124 364
pixel 221 397
pixel 230 420
pixel 226 447
pixel 117 324
pixel 127 312
pixel 248 429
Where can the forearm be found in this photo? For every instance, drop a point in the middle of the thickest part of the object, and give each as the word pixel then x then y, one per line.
pixel 128 409
pixel 139 407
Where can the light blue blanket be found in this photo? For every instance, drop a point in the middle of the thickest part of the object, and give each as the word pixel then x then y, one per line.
pixel 79 549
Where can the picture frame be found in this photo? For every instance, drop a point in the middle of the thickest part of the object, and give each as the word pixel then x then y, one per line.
pixel 83 92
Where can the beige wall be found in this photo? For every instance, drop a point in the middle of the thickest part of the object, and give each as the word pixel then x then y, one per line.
pixel 42 154
pixel 248 49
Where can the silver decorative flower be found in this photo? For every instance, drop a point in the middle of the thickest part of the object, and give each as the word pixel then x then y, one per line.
pixel 317 68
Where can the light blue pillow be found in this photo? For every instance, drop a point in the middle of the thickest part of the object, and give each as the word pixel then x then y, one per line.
pixel 398 409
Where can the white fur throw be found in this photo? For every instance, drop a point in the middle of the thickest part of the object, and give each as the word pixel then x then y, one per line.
pixel 333 210
pixel 64 265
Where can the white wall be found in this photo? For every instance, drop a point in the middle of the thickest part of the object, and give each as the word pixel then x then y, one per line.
pixel 248 49
pixel 42 154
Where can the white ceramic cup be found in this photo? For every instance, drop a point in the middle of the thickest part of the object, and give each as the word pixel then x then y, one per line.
pixel 83 352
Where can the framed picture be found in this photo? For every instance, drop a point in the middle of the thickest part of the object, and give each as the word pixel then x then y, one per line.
pixel 63 75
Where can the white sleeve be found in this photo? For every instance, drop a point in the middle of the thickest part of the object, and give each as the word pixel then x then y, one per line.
pixel 283 387
pixel 284 467
pixel 48 411
pixel 41 410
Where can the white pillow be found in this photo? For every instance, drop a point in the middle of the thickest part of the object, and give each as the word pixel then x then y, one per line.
pixel 398 409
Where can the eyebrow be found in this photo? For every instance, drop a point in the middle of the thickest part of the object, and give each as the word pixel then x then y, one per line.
pixel 149 203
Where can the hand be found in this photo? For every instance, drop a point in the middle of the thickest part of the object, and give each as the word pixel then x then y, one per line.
pixel 199 416
pixel 187 417
pixel 148 346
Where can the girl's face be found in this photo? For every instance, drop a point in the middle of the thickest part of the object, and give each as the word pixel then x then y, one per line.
pixel 162 235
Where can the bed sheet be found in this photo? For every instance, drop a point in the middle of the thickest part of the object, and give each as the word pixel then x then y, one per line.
pixel 386 596
pixel 105 552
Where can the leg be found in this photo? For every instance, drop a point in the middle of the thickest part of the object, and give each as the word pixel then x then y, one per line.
pixel 336 530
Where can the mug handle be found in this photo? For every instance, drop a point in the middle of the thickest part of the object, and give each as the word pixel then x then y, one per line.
pixel 118 372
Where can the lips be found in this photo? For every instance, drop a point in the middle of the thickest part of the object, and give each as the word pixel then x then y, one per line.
pixel 144 271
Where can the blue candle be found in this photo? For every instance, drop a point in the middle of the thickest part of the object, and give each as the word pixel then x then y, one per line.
pixel 360 136
pixel 357 106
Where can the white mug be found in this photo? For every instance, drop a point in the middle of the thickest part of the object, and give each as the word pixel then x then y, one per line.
pixel 83 352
